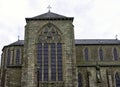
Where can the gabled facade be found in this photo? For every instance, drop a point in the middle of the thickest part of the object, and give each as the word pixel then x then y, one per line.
pixel 51 57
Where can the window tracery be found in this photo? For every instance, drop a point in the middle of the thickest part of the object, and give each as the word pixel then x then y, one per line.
pixel 50 54
pixel 50 35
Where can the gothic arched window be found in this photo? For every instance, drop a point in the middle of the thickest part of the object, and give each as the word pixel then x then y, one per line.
pixel 17 56
pixel 101 54
pixel 117 79
pixel 8 56
pixel 115 54
pixel 79 80
pixel 50 54
pixel 86 54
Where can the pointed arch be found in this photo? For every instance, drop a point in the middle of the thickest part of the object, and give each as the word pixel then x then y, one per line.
pixel 101 54
pixel 86 54
pixel 117 79
pixel 49 53
pixel 18 56
pixel 49 34
pixel 115 54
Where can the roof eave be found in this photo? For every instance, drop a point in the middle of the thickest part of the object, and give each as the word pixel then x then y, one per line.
pixel 99 44
pixel 10 46
pixel 32 19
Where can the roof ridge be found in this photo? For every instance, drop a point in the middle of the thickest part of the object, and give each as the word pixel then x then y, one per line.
pixel 50 16
pixel 18 42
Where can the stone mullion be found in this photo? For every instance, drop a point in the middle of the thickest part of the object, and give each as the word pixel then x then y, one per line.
pixel 42 61
pixel 56 63
pixel 49 62
pixel 62 62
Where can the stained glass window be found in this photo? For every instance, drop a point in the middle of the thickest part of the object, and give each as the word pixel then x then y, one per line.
pixel 45 62
pixel 86 54
pixel 8 57
pixel 101 54
pixel 115 53
pixel 59 61
pixel 117 78
pixel 50 54
pixel 53 62
pixel 79 80
pixel 18 56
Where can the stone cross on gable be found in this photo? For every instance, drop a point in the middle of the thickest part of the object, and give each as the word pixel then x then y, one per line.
pixel 49 7
pixel 18 37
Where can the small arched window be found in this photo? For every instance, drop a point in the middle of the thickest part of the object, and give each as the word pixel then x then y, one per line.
pixel 18 56
pixel 115 54
pixel 8 56
pixel 117 78
pixel 79 80
pixel 101 54
pixel 86 54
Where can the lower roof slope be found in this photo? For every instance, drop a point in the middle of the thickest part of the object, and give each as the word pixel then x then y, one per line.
pixel 78 42
pixel 96 41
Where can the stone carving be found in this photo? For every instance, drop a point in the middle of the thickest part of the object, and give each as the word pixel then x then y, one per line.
pixel 98 74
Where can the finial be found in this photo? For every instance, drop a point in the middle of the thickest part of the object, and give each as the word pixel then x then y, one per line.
pixel 18 37
pixel 116 36
pixel 49 7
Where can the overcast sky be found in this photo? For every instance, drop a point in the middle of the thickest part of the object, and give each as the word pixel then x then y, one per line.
pixel 93 19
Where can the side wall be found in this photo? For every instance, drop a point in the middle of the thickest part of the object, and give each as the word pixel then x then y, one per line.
pixel 11 73
pixel 13 77
pixel 96 72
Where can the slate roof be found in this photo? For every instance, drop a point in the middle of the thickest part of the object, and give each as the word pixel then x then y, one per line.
pixel 50 15
pixel 80 42
pixel 17 43
pixel 96 41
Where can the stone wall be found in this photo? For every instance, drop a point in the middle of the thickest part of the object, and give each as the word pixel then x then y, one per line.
pixel 92 68
pixel 93 53
pixel 29 78
pixel 11 73
pixel 89 76
pixel 13 77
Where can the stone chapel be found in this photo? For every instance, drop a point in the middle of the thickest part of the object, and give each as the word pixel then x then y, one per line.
pixel 50 56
